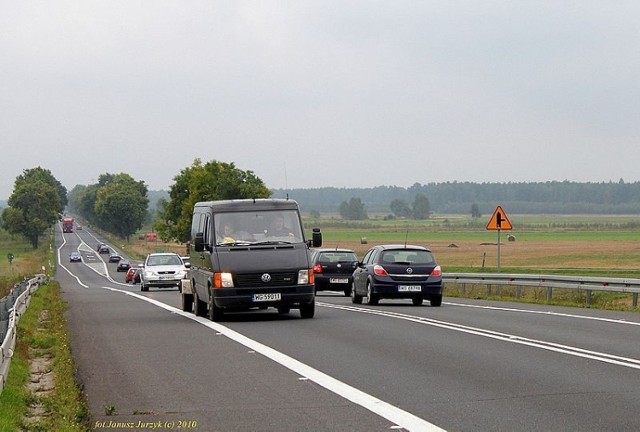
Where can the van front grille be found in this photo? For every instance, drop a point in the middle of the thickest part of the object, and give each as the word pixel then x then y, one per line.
pixel 257 280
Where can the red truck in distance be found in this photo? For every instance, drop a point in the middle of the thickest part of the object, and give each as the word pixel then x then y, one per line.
pixel 67 225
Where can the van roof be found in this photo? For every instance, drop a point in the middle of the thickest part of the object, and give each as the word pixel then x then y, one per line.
pixel 249 204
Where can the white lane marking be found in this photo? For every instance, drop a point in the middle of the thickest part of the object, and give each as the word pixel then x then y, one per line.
pixel 392 413
pixel 550 346
pixel 99 268
pixel 505 309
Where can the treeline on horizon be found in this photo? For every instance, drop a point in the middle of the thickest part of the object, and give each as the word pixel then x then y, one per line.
pixel 552 197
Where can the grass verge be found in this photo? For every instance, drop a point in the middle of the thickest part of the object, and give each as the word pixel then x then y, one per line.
pixel 64 407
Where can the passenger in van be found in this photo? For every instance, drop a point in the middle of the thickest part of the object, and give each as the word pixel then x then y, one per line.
pixel 277 228
pixel 228 233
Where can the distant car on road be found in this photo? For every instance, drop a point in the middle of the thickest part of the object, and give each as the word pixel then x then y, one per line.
pixel 133 275
pixel 75 257
pixel 123 265
pixel 103 249
pixel 398 271
pixel 114 258
pixel 162 270
pixel 333 269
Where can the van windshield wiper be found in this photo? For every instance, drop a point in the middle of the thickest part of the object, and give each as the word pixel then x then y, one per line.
pixel 271 242
pixel 234 243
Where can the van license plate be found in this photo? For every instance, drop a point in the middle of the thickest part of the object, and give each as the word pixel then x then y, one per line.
pixel 338 280
pixel 266 297
pixel 409 288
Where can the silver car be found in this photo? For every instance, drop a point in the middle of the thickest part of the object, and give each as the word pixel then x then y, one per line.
pixel 162 270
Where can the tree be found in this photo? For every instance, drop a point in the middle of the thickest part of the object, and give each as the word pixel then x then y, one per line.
pixel 34 175
pixel 421 207
pixel 212 181
pixel 121 205
pixel 400 208
pixel 475 211
pixel 34 205
pixel 353 210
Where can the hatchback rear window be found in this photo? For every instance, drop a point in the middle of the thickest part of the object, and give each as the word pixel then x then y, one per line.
pixel 410 257
pixel 327 257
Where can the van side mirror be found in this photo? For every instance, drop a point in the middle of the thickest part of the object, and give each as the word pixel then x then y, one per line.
pixel 316 237
pixel 198 243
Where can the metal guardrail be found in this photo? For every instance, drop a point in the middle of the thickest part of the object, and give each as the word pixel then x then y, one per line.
pixel 12 307
pixel 588 284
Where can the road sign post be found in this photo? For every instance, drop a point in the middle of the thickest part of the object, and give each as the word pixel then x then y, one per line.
pixel 498 222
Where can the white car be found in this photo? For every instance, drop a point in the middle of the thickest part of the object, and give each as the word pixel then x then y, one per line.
pixel 162 270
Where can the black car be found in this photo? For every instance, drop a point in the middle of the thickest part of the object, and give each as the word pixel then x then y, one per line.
pixel 123 265
pixel 333 269
pixel 398 271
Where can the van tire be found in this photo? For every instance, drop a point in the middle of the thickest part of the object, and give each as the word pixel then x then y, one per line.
pixel 215 313
pixel 199 307
pixel 308 310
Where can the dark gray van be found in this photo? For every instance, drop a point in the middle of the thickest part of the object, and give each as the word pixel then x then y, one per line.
pixel 249 253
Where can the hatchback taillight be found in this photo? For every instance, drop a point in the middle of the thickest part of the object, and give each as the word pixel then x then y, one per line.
pixel 436 271
pixel 317 268
pixel 378 270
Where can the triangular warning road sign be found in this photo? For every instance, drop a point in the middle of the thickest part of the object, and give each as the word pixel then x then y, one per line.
pixel 499 220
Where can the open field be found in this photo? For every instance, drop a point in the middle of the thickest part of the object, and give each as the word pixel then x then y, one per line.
pixel 589 245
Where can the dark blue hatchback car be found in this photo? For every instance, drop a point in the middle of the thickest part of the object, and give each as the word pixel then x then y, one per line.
pixel 398 271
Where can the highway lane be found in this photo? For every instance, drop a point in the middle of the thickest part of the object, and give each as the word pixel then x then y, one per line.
pixel 468 365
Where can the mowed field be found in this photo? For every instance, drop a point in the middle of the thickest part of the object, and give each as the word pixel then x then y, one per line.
pixel 589 245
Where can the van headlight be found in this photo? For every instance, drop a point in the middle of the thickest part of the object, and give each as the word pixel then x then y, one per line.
pixel 305 276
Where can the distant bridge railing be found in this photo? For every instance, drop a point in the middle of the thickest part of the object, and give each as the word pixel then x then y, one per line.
pixel 588 284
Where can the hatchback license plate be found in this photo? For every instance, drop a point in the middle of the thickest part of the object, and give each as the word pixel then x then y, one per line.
pixel 338 280
pixel 266 297
pixel 409 288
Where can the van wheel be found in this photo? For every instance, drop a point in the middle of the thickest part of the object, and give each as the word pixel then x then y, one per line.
pixel 215 313
pixel 199 307
pixel 143 287
pixel 307 310
pixel 187 302
pixel 347 292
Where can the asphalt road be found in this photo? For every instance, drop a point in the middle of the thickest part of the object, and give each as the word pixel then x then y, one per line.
pixel 466 366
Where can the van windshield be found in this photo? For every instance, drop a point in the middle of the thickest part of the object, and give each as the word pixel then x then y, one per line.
pixel 259 227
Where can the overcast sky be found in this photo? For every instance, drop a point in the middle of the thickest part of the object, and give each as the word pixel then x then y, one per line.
pixel 322 93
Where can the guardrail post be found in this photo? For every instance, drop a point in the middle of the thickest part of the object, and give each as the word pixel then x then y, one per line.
pixel 549 293
pixel 634 300
pixel 463 289
pixel 488 290
pixel 588 297
pixel 518 292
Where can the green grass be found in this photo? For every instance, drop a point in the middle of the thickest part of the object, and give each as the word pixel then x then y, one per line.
pixel 68 410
